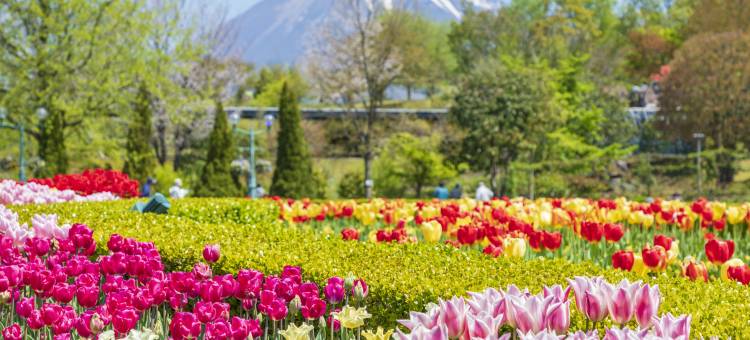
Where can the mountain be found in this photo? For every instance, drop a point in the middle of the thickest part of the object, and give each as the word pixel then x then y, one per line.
pixel 276 31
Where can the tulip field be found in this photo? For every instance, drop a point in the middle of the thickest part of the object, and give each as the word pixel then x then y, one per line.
pixel 378 269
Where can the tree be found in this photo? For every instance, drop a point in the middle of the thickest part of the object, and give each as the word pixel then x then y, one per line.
pixel 216 177
pixel 707 91
pixel 355 62
pixel 718 16
pixel 407 161
pixel 139 158
pixel 72 58
pixel 503 108
pixel 293 175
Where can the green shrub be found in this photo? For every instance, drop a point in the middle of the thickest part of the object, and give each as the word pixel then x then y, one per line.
pixel 402 277
pixel 352 185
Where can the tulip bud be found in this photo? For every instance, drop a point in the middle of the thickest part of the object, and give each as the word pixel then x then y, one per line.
pixel 4 297
pixel 295 305
pixel 96 324
pixel 349 280
pixel 360 289
pixel 322 322
pixel 211 253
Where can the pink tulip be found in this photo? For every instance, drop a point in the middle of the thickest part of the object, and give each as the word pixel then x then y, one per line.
pixel 25 306
pixel 184 326
pixel 277 310
pixel 625 334
pixel 483 326
pixel 12 332
pixel 334 290
pixel 35 321
pixel 558 292
pixel 204 311
pixel 50 313
pixel 590 299
pixel 647 302
pixel 669 326
pixel 543 335
pixel 581 335
pixel 211 253
pixel 530 313
pixel 87 296
pixel 454 316
pixel 427 320
pixel 124 320
pixel 63 292
pixel 202 271
pixel 217 330
pixel 558 317
pixel 421 333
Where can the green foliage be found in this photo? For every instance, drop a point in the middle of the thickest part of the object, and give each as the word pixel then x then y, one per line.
pixel 503 108
pixel 351 186
pixel 409 162
pixel 52 145
pixel 293 175
pixel 216 177
pixel 271 84
pixel 139 157
pixel 165 177
pixel 401 277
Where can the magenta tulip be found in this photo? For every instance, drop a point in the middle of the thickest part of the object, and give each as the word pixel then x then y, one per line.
pixel 217 330
pixel 124 320
pixel 211 253
pixel 12 332
pixel 25 306
pixel 334 290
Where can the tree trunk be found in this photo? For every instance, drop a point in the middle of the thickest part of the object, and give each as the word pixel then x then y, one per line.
pixel 160 145
pixel 418 189
pixel 368 150
pixel 408 93
pixel 493 176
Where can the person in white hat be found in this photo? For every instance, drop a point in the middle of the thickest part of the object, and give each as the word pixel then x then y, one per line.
pixel 177 191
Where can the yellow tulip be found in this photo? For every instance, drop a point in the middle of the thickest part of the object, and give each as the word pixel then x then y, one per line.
pixel 431 231
pixel 673 251
pixel 297 333
pixel 514 247
pixel 735 215
pixel 379 335
pixel 351 317
pixel 717 210
pixel 638 265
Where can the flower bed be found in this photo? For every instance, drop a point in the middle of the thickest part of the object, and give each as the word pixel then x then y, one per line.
pixel 12 192
pixel 401 277
pixel 700 239
pixel 93 181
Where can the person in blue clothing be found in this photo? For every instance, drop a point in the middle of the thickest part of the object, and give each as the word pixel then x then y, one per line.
pixel 441 192
pixel 146 188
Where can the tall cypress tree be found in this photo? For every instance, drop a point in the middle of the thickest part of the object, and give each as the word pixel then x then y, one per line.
pixel 216 178
pixel 293 175
pixel 139 158
pixel 52 145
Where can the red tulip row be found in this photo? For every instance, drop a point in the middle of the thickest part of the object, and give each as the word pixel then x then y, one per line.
pixel 93 181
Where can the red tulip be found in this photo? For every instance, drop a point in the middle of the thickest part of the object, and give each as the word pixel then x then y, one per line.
pixel 493 250
pixel 592 231
pixel 718 251
pixel 613 232
pixel 655 257
pixel 664 241
pixel 739 273
pixel 551 241
pixel 467 235
pixel 623 259
pixel 211 253
pixel 350 234
pixel 694 271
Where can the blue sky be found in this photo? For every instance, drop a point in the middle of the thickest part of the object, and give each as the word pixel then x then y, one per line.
pixel 233 7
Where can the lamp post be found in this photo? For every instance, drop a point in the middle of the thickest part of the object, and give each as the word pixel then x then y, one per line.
pixel 234 117
pixel 21 143
pixel 699 138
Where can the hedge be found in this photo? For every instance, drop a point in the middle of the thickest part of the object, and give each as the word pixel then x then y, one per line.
pixel 401 277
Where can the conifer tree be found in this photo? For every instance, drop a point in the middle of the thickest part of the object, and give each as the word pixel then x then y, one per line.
pixel 216 178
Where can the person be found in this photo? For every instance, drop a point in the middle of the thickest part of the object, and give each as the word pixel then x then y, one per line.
pixel 146 188
pixel 441 192
pixel 259 192
pixel 456 192
pixel 483 192
pixel 177 191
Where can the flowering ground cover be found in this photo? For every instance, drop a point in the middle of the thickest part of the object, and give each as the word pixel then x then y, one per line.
pixel 401 277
